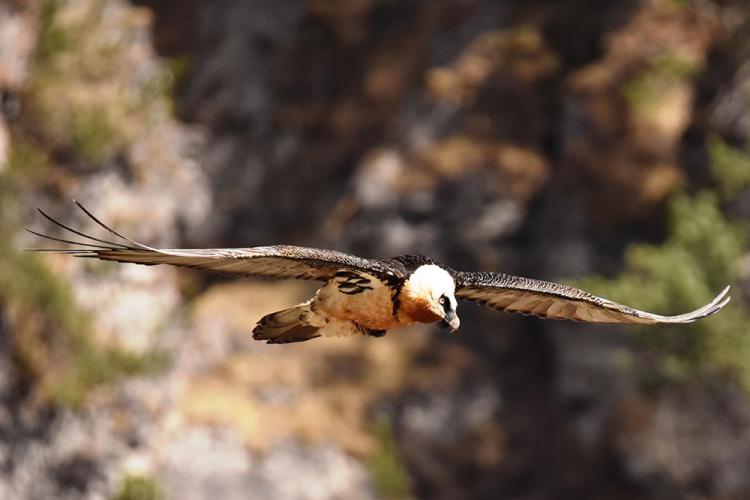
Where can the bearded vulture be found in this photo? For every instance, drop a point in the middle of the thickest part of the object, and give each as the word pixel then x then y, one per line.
pixel 364 296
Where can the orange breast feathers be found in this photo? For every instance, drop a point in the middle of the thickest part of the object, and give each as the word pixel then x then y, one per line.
pixel 417 309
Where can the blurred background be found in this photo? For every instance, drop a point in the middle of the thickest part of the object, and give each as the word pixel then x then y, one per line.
pixel 602 144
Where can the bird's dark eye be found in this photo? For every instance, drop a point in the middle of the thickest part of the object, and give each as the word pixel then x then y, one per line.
pixel 441 300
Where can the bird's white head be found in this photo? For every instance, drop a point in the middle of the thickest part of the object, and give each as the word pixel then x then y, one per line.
pixel 434 287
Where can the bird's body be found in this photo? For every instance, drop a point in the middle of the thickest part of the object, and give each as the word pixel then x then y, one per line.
pixel 371 296
pixel 362 303
pixel 335 311
pixel 360 298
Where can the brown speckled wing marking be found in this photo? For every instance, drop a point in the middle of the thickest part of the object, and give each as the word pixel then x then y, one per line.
pixel 504 292
pixel 280 261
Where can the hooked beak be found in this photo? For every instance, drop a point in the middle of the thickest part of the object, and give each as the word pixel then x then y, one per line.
pixel 451 321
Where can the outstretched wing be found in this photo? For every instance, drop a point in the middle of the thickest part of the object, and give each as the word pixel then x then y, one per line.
pixel 281 261
pixel 504 292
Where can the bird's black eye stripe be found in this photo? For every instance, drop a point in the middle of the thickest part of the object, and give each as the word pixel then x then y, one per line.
pixel 443 301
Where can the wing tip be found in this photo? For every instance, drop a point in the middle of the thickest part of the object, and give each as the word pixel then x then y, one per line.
pixel 716 305
pixel 108 245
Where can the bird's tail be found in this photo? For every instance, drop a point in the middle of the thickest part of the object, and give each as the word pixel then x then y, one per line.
pixel 289 325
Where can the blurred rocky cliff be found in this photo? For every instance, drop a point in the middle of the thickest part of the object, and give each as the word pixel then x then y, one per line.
pixel 599 143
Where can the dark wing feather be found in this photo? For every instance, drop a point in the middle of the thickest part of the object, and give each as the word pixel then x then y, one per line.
pixel 504 292
pixel 281 261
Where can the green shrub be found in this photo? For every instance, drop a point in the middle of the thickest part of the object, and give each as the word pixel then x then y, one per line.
pixel 52 335
pixel 387 469
pixel 136 487
pixel 84 97
pixel 648 87
pixel 699 256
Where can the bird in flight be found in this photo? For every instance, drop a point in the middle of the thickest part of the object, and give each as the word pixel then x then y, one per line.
pixel 371 296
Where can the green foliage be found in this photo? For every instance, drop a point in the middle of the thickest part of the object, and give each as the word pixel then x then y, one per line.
pixel 26 282
pixel 53 337
pixel 64 64
pixel 679 4
pixel 51 40
pixel 647 88
pixel 85 98
pixel 386 466
pixel 731 167
pixel 92 135
pixel 91 366
pixel 179 69
pixel 135 487
pixel 42 302
pixel 26 165
pixel 698 258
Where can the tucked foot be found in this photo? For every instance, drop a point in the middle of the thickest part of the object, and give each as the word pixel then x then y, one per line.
pixel 371 333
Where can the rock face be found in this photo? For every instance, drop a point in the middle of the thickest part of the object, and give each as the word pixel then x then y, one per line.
pixel 533 138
